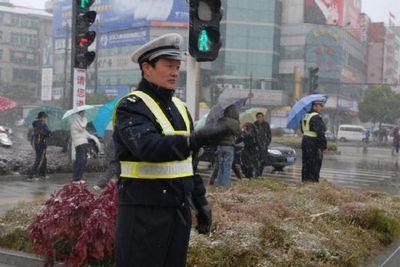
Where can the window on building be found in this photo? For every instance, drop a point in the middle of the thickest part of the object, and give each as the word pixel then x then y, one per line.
pixel 25 75
pixel 292 52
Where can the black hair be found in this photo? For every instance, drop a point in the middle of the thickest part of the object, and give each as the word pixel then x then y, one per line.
pixel 152 63
pixel 259 113
pixel 41 115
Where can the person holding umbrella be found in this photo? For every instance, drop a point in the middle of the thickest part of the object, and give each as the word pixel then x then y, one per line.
pixel 79 138
pixel 314 142
pixel 39 142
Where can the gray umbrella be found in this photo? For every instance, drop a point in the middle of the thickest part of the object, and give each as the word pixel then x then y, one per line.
pixel 217 111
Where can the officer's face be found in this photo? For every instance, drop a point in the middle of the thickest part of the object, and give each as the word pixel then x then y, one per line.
pixel 318 107
pixel 164 74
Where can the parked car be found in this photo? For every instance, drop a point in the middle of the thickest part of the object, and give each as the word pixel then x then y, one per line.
pixel 279 156
pixel 348 132
pixel 330 136
pixel 62 138
pixel 283 132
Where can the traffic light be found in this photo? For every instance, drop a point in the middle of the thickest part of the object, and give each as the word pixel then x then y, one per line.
pixel 204 29
pixel 82 37
pixel 313 79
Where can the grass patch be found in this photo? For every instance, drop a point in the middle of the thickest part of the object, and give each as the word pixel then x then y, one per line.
pixel 265 222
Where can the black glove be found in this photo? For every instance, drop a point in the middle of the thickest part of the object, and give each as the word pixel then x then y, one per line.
pixel 204 220
pixel 207 137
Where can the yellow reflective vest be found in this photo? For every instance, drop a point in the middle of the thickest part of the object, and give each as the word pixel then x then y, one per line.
pixel 160 170
pixel 305 123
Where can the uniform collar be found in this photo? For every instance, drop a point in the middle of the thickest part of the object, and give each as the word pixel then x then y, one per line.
pixel 156 91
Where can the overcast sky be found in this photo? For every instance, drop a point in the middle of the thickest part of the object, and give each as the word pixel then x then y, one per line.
pixel 378 10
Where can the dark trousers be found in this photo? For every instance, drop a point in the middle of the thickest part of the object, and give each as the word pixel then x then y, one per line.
pixel 262 161
pixel 312 162
pixel 80 162
pixel 150 236
pixel 39 167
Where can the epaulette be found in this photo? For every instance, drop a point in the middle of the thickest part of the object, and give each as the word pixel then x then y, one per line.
pixel 132 99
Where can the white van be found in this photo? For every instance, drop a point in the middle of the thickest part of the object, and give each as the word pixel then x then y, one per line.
pixel 348 132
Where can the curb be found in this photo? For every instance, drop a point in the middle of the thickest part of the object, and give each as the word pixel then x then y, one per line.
pixel 20 259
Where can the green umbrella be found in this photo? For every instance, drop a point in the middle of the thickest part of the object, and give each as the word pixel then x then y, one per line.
pixel 90 113
pixel 54 116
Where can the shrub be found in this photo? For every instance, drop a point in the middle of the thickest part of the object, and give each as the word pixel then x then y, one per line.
pixel 76 227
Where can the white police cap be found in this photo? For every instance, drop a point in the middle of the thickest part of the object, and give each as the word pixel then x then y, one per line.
pixel 166 46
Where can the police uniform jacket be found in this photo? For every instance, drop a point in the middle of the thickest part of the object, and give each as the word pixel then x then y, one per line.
pixel 138 137
pixel 317 125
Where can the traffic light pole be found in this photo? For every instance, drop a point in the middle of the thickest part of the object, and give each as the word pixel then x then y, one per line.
pixel 191 92
pixel 73 51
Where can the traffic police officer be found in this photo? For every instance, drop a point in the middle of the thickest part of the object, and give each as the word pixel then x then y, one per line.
pixel 154 142
pixel 39 142
pixel 314 142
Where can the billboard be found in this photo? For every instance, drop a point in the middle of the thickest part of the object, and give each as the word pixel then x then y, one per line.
pixel 124 38
pixel 117 15
pixel 323 11
pixel 345 13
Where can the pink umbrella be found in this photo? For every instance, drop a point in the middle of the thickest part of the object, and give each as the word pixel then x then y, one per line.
pixel 6 104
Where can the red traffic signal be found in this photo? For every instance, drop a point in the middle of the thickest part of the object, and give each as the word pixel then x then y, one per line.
pixel 84 40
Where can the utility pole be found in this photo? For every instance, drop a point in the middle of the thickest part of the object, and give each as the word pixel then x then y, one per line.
pixel 65 91
pixel 96 67
pixel 298 90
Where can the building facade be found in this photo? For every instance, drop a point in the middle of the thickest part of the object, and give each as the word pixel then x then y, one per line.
pixel 249 56
pixel 23 35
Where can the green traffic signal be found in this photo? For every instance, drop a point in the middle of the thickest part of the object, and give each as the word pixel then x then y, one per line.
pixel 204 41
pixel 85 4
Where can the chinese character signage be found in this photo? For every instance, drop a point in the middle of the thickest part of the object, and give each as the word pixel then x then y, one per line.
pixel 79 87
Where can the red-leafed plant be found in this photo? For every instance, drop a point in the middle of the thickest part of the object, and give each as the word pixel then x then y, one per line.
pixel 76 227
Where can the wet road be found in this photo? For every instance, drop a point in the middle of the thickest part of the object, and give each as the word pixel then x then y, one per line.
pixel 356 167
pixel 15 189
pixel 374 169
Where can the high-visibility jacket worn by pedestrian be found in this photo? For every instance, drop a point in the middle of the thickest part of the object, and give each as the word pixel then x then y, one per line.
pixel 160 170
pixel 306 124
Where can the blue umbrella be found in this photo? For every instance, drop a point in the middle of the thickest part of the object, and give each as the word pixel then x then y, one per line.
pixel 302 106
pixel 104 116
pixel 217 111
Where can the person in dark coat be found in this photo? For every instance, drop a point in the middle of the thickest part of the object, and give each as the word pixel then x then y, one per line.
pixel 248 136
pixel 154 140
pixel 39 142
pixel 313 144
pixel 263 137
pixel 396 140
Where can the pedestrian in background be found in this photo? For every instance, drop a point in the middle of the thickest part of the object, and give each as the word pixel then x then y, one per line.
pixel 314 143
pixel 263 138
pixel 226 149
pixel 250 150
pixel 39 142
pixel 113 167
pixel 79 137
pixel 396 140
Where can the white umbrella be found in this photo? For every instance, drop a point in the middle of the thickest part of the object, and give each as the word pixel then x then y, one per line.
pixel 73 111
